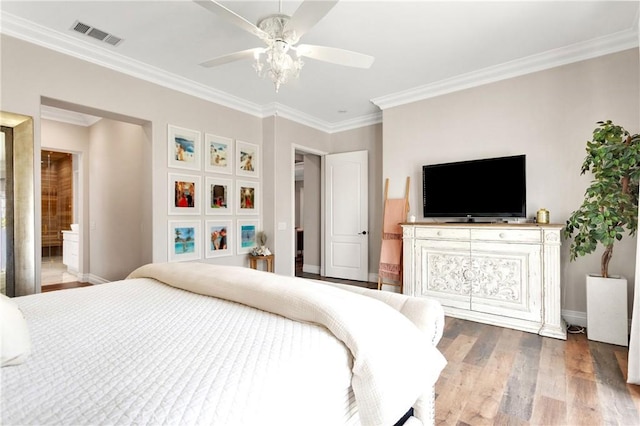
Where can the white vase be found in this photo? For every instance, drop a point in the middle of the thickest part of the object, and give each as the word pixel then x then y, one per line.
pixel 607 318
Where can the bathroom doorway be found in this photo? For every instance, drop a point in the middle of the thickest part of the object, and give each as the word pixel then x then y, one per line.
pixel 58 171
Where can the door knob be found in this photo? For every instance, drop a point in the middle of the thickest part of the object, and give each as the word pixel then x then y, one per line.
pixel 362 233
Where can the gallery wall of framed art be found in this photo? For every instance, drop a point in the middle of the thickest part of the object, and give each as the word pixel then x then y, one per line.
pixel 214 195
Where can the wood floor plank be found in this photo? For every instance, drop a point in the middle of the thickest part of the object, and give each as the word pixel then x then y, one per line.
pixel 459 348
pixel 583 405
pixel 518 398
pixel 503 419
pixel 582 392
pixel 578 362
pixel 615 401
pixel 548 411
pixel 481 350
pixel 451 400
pixel 484 403
pixel 552 381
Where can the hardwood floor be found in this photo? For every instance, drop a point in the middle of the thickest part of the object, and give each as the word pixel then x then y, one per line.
pixel 63 286
pixel 498 376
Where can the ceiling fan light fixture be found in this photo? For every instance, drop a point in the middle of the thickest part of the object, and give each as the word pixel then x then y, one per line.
pixel 279 65
pixel 281 60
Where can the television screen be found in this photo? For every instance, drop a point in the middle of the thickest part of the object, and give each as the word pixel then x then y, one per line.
pixel 492 187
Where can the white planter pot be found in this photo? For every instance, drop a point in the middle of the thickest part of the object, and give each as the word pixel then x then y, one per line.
pixel 607 319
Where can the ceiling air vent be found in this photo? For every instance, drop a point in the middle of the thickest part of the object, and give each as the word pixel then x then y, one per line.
pixel 93 32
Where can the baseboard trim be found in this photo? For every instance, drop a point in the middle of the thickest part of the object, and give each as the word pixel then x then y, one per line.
pixel 579 318
pixel 575 317
pixel 311 269
pixel 94 279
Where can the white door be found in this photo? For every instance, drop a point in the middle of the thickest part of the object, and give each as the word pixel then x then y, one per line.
pixel 347 216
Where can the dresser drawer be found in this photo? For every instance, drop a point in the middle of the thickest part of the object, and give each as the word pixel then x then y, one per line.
pixel 513 235
pixel 439 233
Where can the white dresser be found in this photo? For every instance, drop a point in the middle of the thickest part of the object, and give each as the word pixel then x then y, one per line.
pixel 501 274
pixel 70 242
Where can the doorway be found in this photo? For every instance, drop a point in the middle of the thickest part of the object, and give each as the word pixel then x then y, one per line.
pixel 57 170
pixel 111 193
pixel 307 215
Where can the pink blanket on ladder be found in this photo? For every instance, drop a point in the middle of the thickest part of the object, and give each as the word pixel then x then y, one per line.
pixel 391 251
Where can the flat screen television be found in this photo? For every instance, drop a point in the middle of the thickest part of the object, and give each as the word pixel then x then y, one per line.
pixel 491 187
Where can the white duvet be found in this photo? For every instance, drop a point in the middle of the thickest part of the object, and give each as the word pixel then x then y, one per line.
pixel 140 352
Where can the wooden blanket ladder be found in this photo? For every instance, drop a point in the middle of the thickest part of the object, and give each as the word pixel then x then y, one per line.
pixel 394 212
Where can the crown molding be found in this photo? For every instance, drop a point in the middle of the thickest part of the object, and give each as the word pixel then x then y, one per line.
pixel 29 31
pixel 66 116
pixel 613 43
pixel 292 114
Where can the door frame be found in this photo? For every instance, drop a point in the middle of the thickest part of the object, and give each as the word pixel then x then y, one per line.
pixel 292 191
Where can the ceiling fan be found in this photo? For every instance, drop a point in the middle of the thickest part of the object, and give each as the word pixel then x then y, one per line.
pixel 281 59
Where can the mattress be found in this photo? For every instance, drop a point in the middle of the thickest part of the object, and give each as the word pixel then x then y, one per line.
pixel 141 352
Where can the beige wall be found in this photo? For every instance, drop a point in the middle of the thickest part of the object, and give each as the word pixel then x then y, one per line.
pixel 548 116
pixel 73 81
pixel 35 73
pixel 289 136
pixel 117 184
pixel 312 214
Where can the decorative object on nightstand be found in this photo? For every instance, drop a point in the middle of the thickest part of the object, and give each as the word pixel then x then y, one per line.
pixel 261 252
pixel 610 205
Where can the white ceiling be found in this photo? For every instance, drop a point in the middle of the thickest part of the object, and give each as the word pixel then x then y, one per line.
pixel 422 48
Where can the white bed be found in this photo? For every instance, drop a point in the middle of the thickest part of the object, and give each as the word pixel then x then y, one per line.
pixel 254 349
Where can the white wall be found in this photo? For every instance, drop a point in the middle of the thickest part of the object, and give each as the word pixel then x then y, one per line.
pixel 548 116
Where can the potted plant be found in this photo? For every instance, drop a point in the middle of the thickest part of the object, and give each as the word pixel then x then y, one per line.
pixel 609 210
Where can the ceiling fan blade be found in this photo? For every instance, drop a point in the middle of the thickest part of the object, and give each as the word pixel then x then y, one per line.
pixel 335 55
pixel 236 56
pixel 232 17
pixel 309 13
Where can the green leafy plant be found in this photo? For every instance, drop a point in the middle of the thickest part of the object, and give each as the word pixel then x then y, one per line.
pixel 611 201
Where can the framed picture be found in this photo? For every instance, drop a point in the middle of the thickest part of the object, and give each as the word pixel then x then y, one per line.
pixel 218 238
pixel 184 148
pixel 247 235
pixel 248 197
pixel 219 195
pixel 247 159
pixel 218 154
pixel 184 194
pixel 184 240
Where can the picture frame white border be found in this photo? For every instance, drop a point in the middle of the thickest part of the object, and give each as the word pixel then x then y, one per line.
pixel 208 167
pixel 256 199
pixel 240 224
pixel 240 146
pixel 209 253
pixel 210 180
pixel 197 199
pixel 172 132
pixel 197 235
